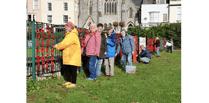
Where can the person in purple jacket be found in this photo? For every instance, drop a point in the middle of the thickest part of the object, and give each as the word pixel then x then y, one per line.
pixel 92 49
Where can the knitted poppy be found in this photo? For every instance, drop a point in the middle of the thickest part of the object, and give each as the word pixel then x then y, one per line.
pixel 52 31
pixel 52 37
pixel 47 40
pixel 52 45
pixel 52 63
pixel 37 69
pixel 37 44
pixel 52 50
pixel 38 65
pixel 48 32
pixel 43 67
pixel 52 68
pixel 87 32
pixel 47 60
pixel 47 50
pixel 38 36
pixel 47 27
pixel 52 58
pixel 42 39
pixel 42 44
pixel 37 51
pixel 43 35
pixel 37 57
pixel 43 62
pixel 47 44
pixel 42 58
pixel 42 49
pixel 42 30
pixel 37 31
pixel 47 64
pixel 52 41
pixel 80 30
pixel 80 37
pixel 48 37
pixel 37 61
pixel 52 55
pixel 47 55
pixel 80 34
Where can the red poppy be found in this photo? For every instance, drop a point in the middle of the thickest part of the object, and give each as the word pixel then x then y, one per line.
pixel 52 58
pixel 37 44
pixel 42 39
pixel 80 37
pixel 52 31
pixel 48 32
pixel 42 58
pixel 47 64
pixel 48 37
pixel 37 61
pixel 38 65
pixel 42 49
pixel 52 68
pixel 37 51
pixel 38 36
pixel 52 45
pixel 80 30
pixel 42 44
pixel 47 55
pixel 52 63
pixel 87 32
pixel 43 67
pixel 52 41
pixel 52 50
pixel 43 62
pixel 52 55
pixel 47 27
pixel 47 49
pixel 80 34
pixel 37 57
pixel 52 37
pixel 37 69
pixel 43 35
pixel 47 40
pixel 37 31
pixel 47 60
pixel 42 30
pixel 47 44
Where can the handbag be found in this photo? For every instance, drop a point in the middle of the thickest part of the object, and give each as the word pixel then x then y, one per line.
pixel 84 50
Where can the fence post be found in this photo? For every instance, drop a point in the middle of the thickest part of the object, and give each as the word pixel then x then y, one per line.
pixel 33 51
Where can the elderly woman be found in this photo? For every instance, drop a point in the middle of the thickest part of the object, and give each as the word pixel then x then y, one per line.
pixel 92 49
pixel 71 53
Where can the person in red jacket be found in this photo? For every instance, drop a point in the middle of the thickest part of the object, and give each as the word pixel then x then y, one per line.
pixel 92 50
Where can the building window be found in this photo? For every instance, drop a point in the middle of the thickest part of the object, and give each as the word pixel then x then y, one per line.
pixel 49 6
pixel 90 6
pixel 178 17
pixel 65 6
pixel 65 19
pixel 130 13
pixel 35 4
pixel 154 16
pixel 110 6
pixel 165 17
pixel 49 18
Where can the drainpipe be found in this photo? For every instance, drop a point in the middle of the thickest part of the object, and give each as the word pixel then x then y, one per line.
pixel 168 13
pixel 118 15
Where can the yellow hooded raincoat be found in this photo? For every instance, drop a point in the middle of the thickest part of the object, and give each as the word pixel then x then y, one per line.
pixel 71 48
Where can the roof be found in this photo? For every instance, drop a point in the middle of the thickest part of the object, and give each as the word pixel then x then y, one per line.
pixel 137 2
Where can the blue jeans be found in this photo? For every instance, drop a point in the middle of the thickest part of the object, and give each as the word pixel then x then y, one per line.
pixel 129 59
pixel 145 59
pixel 158 53
pixel 98 67
pixel 92 62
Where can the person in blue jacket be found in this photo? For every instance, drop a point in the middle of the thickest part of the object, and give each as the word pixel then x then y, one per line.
pixel 128 48
pixel 109 57
pixel 145 55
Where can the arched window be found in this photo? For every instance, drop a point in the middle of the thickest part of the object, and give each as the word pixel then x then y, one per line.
pixel 110 6
pixel 130 12
pixel 90 6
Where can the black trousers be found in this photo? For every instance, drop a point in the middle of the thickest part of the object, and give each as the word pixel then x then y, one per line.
pixel 70 72
pixel 169 48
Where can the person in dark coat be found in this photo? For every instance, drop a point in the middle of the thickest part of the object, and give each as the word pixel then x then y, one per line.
pixel 103 50
pixel 145 55
pixel 157 46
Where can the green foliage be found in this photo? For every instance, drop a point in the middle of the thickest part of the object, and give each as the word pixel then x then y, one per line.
pixel 163 31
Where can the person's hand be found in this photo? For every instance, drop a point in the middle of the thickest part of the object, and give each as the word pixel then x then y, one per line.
pixel 136 55
pixel 95 54
pixel 55 46
pixel 105 53
pixel 132 52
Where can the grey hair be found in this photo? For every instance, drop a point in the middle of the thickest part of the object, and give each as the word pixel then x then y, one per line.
pixel 93 25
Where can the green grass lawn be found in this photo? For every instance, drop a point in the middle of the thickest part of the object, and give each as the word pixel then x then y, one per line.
pixel 157 82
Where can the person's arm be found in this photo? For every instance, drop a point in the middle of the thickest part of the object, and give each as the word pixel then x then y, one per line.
pixel 98 42
pixel 110 43
pixel 142 53
pixel 68 40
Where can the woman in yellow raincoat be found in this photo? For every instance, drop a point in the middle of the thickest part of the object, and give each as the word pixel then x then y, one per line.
pixel 71 52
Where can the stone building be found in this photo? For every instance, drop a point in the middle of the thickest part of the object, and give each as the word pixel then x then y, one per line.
pixel 109 11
